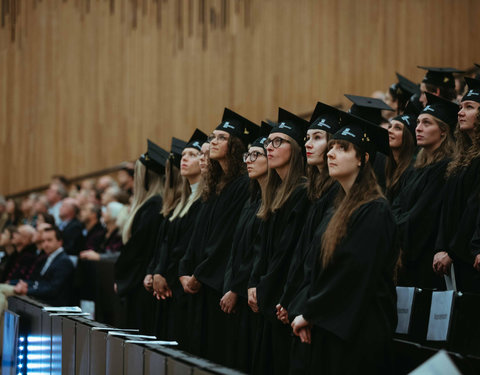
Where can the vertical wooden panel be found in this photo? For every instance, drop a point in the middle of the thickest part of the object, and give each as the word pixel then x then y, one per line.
pixel 84 82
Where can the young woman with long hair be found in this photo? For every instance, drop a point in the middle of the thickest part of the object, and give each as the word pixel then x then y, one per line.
pixel 417 207
pixel 321 191
pixel 171 247
pixel 139 236
pixel 283 212
pixel 456 237
pixel 202 269
pixel 242 322
pixel 350 315
pixel 398 166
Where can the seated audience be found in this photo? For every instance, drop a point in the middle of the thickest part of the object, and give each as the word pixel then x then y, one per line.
pixel 94 231
pixel 71 227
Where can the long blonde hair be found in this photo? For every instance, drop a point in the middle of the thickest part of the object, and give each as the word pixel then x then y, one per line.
pixel 186 199
pixel 277 191
pixel 173 188
pixel 140 195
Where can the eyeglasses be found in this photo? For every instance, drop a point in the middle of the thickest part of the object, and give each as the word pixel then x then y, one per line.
pixel 219 138
pixel 252 156
pixel 276 142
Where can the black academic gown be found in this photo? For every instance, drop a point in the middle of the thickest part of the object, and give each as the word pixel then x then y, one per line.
pixel 392 193
pixel 352 302
pixel 242 324
pixel 207 255
pixel 458 224
pixel 171 324
pixel 417 212
pixel 298 277
pixel 279 237
pixel 131 265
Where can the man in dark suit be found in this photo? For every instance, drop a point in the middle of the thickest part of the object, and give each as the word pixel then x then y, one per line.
pixel 53 282
pixel 71 227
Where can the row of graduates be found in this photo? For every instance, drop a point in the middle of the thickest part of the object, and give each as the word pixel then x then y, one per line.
pixel 240 262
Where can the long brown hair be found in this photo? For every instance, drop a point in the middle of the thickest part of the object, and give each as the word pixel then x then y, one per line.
pixel 365 189
pixel 277 191
pixel 466 148
pixel 394 169
pixel 173 188
pixel 445 149
pixel 216 179
pixel 318 180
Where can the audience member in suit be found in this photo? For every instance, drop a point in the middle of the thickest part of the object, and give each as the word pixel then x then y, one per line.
pixel 71 227
pixel 53 282
pixel 55 193
pixel 26 253
pixel 94 231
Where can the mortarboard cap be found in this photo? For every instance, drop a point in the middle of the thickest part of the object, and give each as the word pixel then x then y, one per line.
pixel 364 134
pixel 176 151
pixel 442 109
pixel 407 86
pixel 473 92
pixel 409 121
pixel 154 159
pixel 238 126
pixel 414 106
pixel 326 118
pixel 442 77
pixel 291 125
pixel 369 109
pixel 265 129
pixel 197 139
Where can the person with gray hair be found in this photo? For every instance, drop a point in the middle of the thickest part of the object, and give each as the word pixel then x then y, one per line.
pixel 55 193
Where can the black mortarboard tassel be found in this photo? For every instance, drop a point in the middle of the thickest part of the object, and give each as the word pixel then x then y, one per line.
pixel 197 139
pixel 326 118
pixel 364 134
pixel 473 92
pixel 369 109
pixel 154 159
pixel 291 125
pixel 441 77
pixel 265 129
pixel 442 109
pixel 238 126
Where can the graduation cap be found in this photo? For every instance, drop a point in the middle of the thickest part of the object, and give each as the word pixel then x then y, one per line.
pixel 265 129
pixel 442 109
pixel 364 134
pixel 238 126
pixel 369 109
pixel 326 118
pixel 409 121
pixel 176 151
pixel 197 139
pixel 407 86
pixel 154 159
pixel 441 77
pixel 414 106
pixel 473 92
pixel 291 125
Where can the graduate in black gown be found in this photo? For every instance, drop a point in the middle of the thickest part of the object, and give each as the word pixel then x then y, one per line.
pixel 171 198
pixel 225 192
pixel 139 236
pixel 350 315
pixel 242 321
pixel 321 191
pixel 283 210
pixel 398 166
pixel 460 207
pixel 417 207
pixel 171 248
pixel 398 96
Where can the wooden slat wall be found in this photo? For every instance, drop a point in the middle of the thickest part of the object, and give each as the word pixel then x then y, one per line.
pixel 85 82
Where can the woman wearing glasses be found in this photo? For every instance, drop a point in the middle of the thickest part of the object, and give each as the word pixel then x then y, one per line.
pixel 242 321
pixel 321 191
pixel 350 315
pixel 202 269
pixel 283 211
